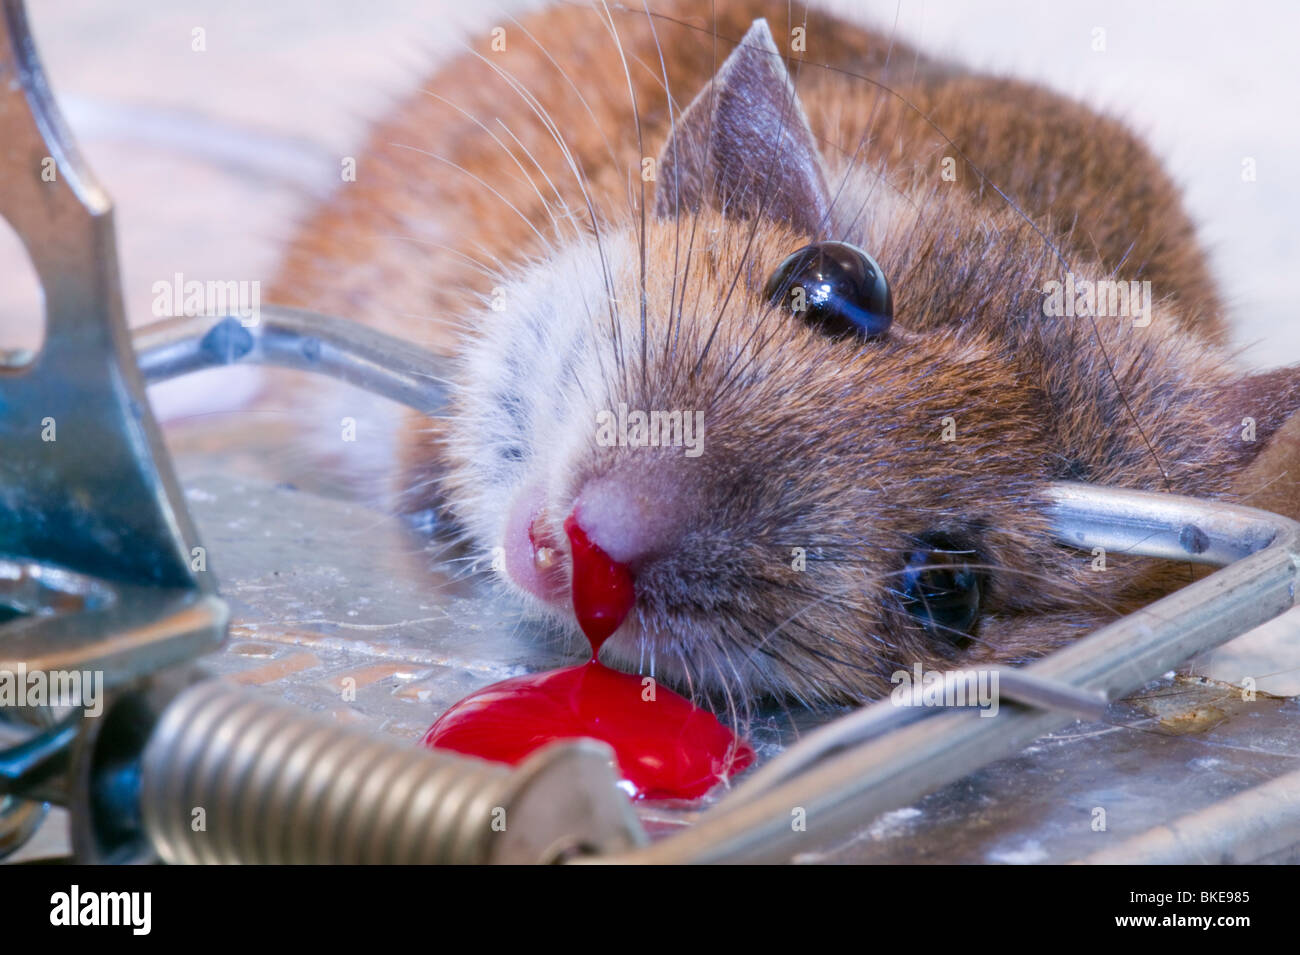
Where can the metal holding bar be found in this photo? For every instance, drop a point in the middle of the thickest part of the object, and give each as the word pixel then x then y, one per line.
pixel 1019 686
pixel 295 338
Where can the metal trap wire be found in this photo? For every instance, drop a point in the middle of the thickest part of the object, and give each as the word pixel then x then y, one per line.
pixel 171 739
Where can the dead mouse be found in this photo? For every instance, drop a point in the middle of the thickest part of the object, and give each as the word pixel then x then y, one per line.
pixel 796 347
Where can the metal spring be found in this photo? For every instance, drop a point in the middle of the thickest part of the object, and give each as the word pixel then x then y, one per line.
pixel 230 777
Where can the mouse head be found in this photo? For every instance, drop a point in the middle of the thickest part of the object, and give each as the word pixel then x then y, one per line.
pixel 801 417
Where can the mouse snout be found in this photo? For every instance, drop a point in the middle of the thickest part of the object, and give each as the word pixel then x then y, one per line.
pixel 616 525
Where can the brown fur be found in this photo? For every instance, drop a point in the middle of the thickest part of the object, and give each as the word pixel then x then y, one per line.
pixel 828 447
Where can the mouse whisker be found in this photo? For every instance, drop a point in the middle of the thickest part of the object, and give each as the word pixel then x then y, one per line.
pixel 549 124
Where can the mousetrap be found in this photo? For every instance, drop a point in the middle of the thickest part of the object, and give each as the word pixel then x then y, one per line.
pixel 271 656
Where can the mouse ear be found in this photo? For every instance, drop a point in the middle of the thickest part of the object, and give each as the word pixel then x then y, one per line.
pixel 744 144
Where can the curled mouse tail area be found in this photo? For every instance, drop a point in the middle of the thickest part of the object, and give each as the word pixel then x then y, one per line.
pixel 1264 411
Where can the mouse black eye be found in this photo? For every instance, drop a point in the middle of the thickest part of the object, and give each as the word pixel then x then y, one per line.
pixel 836 288
pixel 940 589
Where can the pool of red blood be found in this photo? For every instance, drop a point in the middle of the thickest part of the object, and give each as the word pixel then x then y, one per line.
pixel 666 747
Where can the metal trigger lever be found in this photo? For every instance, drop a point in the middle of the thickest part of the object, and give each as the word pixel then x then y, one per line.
pixel 96 546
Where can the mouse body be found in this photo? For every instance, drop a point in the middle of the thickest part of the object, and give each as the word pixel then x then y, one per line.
pixel 793 324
